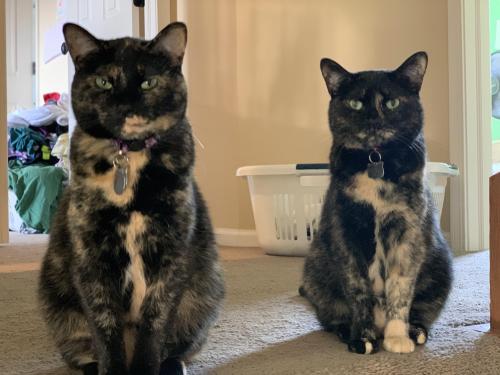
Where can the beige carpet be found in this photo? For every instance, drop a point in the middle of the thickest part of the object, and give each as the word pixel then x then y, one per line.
pixel 266 328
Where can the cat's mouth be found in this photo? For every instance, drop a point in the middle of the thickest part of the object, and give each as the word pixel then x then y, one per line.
pixel 369 139
pixel 134 125
pixel 374 138
pixel 140 127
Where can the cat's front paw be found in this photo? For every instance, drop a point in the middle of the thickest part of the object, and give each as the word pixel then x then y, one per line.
pixel 173 366
pixel 399 344
pixel 363 346
pixel 418 334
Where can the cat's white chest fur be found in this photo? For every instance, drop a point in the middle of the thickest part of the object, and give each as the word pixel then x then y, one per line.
pixel 134 275
pixel 367 190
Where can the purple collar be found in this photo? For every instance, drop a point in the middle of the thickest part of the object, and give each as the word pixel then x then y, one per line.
pixel 135 145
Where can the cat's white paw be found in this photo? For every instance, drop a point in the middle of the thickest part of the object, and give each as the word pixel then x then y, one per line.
pixel 421 338
pixel 368 347
pixel 399 344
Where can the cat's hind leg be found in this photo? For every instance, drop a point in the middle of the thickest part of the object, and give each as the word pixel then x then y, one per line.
pixel 424 311
pixel 65 318
pixel 333 315
pixel 188 326
pixel 431 292
pixel 329 323
pixel 188 329
pixel 73 338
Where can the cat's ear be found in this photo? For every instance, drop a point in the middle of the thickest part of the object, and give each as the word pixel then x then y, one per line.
pixel 333 74
pixel 79 42
pixel 412 70
pixel 172 41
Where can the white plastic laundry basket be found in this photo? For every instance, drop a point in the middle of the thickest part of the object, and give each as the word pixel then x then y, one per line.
pixel 287 201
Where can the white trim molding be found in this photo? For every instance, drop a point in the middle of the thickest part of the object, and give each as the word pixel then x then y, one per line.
pixel 150 19
pixel 469 127
pixel 495 152
pixel 236 237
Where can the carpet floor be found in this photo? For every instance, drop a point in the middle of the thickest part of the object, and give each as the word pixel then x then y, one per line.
pixel 266 328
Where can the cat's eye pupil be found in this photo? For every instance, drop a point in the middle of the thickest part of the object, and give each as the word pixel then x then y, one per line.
pixel 355 104
pixel 149 84
pixel 392 103
pixel 103 83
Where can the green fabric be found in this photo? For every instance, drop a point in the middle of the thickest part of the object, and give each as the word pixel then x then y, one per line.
pixel 38 189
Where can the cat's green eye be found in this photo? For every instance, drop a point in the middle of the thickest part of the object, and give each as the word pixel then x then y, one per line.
pixel 103 83
pixel 392 104
pixel 355 104
pixel 149 84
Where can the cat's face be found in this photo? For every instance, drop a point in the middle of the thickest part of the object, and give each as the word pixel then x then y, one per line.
pixel 374 108
pixel 127 88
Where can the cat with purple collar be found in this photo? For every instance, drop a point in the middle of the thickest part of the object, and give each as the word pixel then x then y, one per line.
pixel 130 283
pixel 379 267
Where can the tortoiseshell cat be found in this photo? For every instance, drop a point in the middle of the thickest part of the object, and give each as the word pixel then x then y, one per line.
pixel 379 266
pixel 130 283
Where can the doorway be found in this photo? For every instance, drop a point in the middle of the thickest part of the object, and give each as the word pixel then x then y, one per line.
pixel 31 30
pixel 37 107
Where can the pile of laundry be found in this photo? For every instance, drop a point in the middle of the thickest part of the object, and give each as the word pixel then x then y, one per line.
pixel 38 147
pixel 35 133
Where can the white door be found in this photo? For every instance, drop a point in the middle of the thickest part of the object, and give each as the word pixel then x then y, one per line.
pixel 106 19
pixel 20 54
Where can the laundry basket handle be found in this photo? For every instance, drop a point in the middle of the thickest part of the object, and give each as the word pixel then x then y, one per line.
pixel 305 166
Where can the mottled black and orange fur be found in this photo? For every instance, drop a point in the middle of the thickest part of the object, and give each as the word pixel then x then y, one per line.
pixel 130 283
pixel 379 266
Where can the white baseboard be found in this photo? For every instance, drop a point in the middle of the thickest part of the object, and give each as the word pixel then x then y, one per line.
pixel 236 237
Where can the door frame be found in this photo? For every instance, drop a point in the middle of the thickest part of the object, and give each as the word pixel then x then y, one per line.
pixel 150 19
pixel 4 210
pixel 469 122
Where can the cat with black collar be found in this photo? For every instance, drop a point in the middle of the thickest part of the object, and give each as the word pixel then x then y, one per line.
pixel 379 268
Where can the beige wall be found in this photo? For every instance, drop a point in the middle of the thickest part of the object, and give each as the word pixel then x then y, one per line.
pixel 53 77
pixel 4 228
pixel 167 12
pixel 256 92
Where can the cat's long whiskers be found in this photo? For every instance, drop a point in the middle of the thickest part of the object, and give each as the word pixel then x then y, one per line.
pixel 198 140
pixel 414 145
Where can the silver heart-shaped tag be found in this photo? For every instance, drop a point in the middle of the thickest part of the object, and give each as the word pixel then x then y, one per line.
pixel 375 170
pixel 121 173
